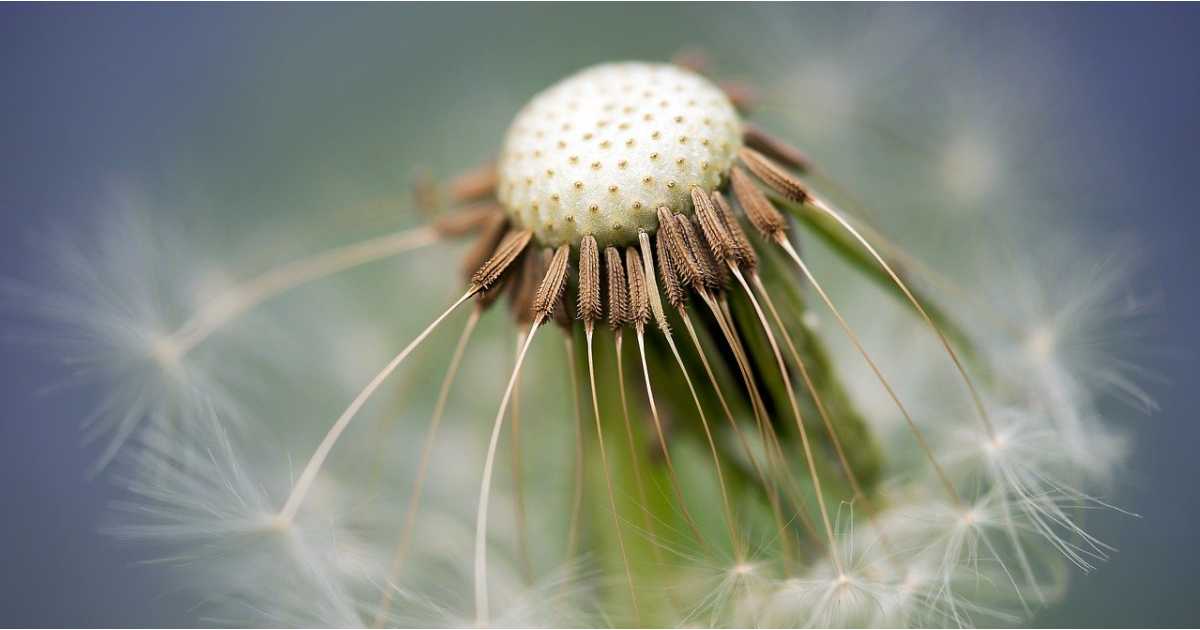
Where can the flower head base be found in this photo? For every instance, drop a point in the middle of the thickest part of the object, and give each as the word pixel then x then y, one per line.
pixel 599 152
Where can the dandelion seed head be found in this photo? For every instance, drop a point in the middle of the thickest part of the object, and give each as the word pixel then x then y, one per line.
pixel 599 152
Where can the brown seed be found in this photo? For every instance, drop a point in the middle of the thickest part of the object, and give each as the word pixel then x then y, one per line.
pixel 463 221
pixel 524 286
pixel 426 195
pixel 711 225
pixel 476 183
pixel 759 209
pixel 639 299
pixel 775 149
pixel 706 278
pixel 743 95
pixel 551 289
pixel 589 280
pixel 506 252
pixel 484 246
pixel 676 295
pixel 561 310
pixel 618 292
pixel 743 252
pixel 704 252
pixel 676 247
pixel 773 175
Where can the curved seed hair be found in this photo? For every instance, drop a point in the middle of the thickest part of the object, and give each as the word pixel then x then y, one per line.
pixel 484 246
pixel 549 294
pixel 758 208
pixel 742 251
pixel 639 301
pixel 676 294
pixel 506 252
pixel 773 175
pixel 589 281
pixel 618 293
pixel 774 148
pixel 466 220
pixel 713 228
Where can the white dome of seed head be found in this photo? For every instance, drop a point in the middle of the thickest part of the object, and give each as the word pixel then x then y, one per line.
pixel 598 152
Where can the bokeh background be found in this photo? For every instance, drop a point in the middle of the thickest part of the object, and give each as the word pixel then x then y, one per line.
pixel 258 118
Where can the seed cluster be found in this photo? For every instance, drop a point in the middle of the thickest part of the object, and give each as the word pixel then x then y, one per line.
pixel 598 153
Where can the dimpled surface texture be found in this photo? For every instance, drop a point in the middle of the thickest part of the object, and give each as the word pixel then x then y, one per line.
pixel 600 151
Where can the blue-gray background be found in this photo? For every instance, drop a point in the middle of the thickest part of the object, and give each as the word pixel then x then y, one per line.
pixel 89 94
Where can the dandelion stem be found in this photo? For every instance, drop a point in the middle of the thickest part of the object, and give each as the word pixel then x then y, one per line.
pixel 612 499
pixel 734 539
pixel 485 486
pixel 660 316
pixel 577 492
pixel 634 447
pixel 662 441
pixel 772 494
pixel 771 444
pixel 787 384
pixel 414 501
pixel 916 431
pixel 241 298
pixel 851 476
